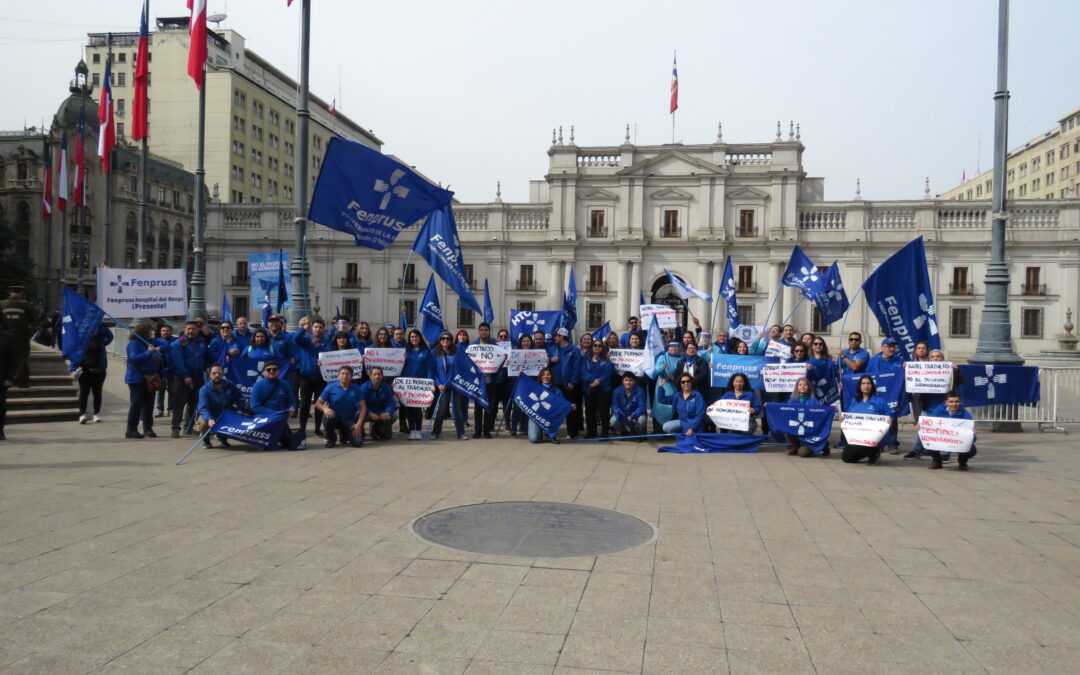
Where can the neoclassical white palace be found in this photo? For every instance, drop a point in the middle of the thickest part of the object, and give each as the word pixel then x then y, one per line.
pixel 621 215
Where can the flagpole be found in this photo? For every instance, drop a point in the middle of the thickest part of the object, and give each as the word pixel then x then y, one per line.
pixel 772 306
pixel 299 271
pixel 197 300
pixel 144 196
pixel 788 318
pixel 61 271
pixel 48 234
pixel 83 247
pixel 108 174
pixel 195 446
pixel 401 298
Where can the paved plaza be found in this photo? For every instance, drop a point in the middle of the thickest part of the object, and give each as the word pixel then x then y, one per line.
pixel 113 559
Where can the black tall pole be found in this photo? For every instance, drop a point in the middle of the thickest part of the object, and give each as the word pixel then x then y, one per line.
pixel 144 197
pixel 197 301
pixel 48 233
pixel 299 268
pixel 108 178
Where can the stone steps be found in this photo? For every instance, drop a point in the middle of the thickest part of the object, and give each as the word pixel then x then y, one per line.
pixel 52 395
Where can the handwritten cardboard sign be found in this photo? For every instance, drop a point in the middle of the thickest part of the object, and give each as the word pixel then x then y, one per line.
pixel 946 434
pixel 488 358
pixel 390 359
pixel 782 376
pixel 927 377
pixel 730 413
pixel 865 429
pixel 525 362
pixel 414 392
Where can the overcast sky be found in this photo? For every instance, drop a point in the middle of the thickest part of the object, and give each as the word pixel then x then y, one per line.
pixel 469 91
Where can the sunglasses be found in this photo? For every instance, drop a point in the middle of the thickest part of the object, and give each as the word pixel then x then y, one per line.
pixel 854 339
pixel 445 339
pixel 226 328
pixel 216 372
pixel 686 381
pixel 270 370
pixel 818 344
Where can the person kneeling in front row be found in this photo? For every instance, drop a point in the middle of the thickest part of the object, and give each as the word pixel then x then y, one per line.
pixel 629 406
pixel 689 407
pixel 952 408
pixel 342 404
pixel 270 395
pixel 380 406
pixel 215 397
pixel 866 402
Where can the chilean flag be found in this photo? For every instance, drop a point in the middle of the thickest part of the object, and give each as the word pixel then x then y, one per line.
pixel 142 77
pixel 79 191
pixel 107 130
pixel 46 197
pixel 197 51
pixel 674 86
pixel 62 175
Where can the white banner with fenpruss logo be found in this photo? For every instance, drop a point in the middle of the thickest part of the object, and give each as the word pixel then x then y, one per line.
pixel 138 293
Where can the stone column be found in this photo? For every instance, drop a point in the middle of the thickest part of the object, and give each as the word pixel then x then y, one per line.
pixel 635 286
pixel 621 295
pixel 776 273
pixel 555 285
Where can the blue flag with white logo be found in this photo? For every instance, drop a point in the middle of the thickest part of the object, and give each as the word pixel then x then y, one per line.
pixel 244 372
pixel 803 274
pixel 832 301
pixel 899 294
pixel 702 443
pixel 602 332
pixel 569 303
pixel 989 385
pixel 370 196
pixel 282 287
pixel 890 387
pixel 822 376
pixel 438 244
pixel 641 297
pixel 811 424
pixel 684 290
pixel 262 431
pixel 727 292
pixel 80 322
pixel 528 322
pixel 226 311
pixel 467 379
pixel 489 309
pixel 431 312
pixel 544 405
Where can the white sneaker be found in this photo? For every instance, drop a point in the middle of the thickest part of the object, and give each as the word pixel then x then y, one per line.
pixel 83 419
pixel 415 435
pixel 95 419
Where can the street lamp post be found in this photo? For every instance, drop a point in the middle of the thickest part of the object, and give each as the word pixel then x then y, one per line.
pixel 299 267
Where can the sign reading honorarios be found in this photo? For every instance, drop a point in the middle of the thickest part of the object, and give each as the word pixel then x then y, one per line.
pixel 390 359
pixel 331 362
pixel 946 434
pixel 865 429
pixel 782 376
pixel 778 349
pixel 525 362
pixel 927 377
pixel 414 392
pixel 488 358
pixel 665 316
pixel 130 293
pixel 627 361
pixel 730 413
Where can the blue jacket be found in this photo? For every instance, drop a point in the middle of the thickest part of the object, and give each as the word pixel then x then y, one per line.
pixel 443 368
pixel 567 370
pixel 219 349
pixel 875 406
pixel 859 355
pixel 188 358
pixel 266 397
pixel 943 411
pixel 878 364
pixel 592 370
pixel 284 345
pixel 308 352
pixel 633 406
pixel 344 402
pixel 165 345
pixel 418 363
pixel 244 340
pixel 215 400
pixel 381 400
pixel 261 353
pixel 747 395
pixel 690 411
pixel 103 338
pixel 140 361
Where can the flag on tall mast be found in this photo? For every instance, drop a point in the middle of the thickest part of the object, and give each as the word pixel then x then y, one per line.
pixel 197 49
pixel 142 77
pixel 106 130
pixel 674 84
pixel 62 175
pixel 79 191
pixel 46 196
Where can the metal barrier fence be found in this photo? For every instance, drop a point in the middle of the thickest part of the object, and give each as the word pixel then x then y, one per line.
pixel 1059 402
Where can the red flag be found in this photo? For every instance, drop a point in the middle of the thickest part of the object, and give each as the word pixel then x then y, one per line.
pixel 289 3
pixel 79 191
pixel 333 107
pixel 197 50
pixel 142 77
pixel 674 86
pixel 46 197
pixel 107 129
pixel 62 175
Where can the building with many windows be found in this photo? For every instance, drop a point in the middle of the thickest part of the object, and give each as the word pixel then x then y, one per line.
pixel 251 141
pixel 1046 167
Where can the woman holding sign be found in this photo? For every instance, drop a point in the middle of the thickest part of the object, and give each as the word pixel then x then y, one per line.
pixel 866 402
pixel 518 422
pixel 739 389
pixel 418 363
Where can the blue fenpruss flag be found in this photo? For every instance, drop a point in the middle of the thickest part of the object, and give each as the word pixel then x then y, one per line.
pixel 899 295
pixel 832 301
pixel 570 303
pixel 438 244
pixel 811 424
pixel 890 387
pixel 727 292
pixel 467 379
pixel 803 274
pixel 370 196
pixel 489 309
pixel 431 312
pixel 80 322
pixel 545 406
pixel 261 430
pixel 699 443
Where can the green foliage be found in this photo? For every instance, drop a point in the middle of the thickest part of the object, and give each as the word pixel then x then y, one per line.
pixel 16 269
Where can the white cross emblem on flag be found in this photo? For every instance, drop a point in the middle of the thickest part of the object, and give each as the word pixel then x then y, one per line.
pixel 391 189
pixel 989 380
pixel 540 401
pixel 801 430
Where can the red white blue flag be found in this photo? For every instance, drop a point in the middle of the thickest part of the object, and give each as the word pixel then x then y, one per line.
pixel 107 129
pixel 46 197
pixel 197 49
pixel 62 175
pixel 79 191
pixel 142 77
pixel 674 85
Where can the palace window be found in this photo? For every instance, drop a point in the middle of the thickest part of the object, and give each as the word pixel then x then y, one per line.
pixel 746 279
pixel 746 223
pixel 1031 322
pixel 670 226
pixel 526 280
pixel 596 278
pixel 596 223
pixel 594 315
pixel 466 318
pixel 960 322
pixel 960 285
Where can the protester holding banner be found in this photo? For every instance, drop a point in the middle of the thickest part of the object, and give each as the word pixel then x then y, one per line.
pixel 311 341
pixel 419 362
pixel 629 407
pixel 689 407
pixel 739 389
pixel 954 409
pixel 888 360
pixel 566 368
pixel 611 341
pixel 343 404
pixel 143 372
pixel 596 372
pixel 445 351
pixel 518 420
pixel 90 372
pixel 189 361
pixel 546 379
pixel 866 402
pixel 215 397
pixel 260 347
pixel 803 395
pixel 696 367
pixel 504 389
pixel 822 373
pixel 270 395
pixel 484 419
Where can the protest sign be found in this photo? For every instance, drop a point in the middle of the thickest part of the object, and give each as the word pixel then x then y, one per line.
pixel 390 359
pixel 778 349
pixel 730 413
pixel 414 392
pixel 946 434
pixel 927 377
pixel 488 358
pixel 665 316
pixel 865 429
pixel 726 365
pixel 525 362
pixel 505 345
pixel 782 376
pixel 331 362
pixel 264 272
pixel 131 293
pixel 627 360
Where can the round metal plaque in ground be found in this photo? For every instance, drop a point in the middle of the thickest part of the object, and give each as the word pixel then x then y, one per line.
pixel 533 529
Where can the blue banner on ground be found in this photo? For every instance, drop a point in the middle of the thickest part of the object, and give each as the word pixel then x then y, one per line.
pixel 262 431
pixel 811 424
pixel 803 274
pixel 370 196
pixel 546 407
pixel 726 365
pixel 438 244
pixel 832 302
pixel 528 322
pixel 900 296
pixel 265 271
pixel 80 323
pixel 244 372
pixel 989 385
pixel 431 311
pixel 701 443
pixel 890 387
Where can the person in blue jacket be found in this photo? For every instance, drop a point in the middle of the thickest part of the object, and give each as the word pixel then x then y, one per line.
pixel 519 422
pixel 419 362
pixel 215 397
pixel 595 378
pixel 484 419
pixel 565 363
pixel 866 402
pixel 803 395
pixel 629 407
pixel 188 359
pixel 164 342
pixel 260 347
pixel 954 408
pixel 270 394
pixel 443 356
pixel 343 404
pixel 91 371
pixel 689 407
pixel 310 340
pixel 888 360
pixel 143 358
pixel 739 389
pixel 546 379
pixel 380 405
pixel 225 344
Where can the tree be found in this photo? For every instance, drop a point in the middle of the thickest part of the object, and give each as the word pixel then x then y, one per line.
pixel 16 269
